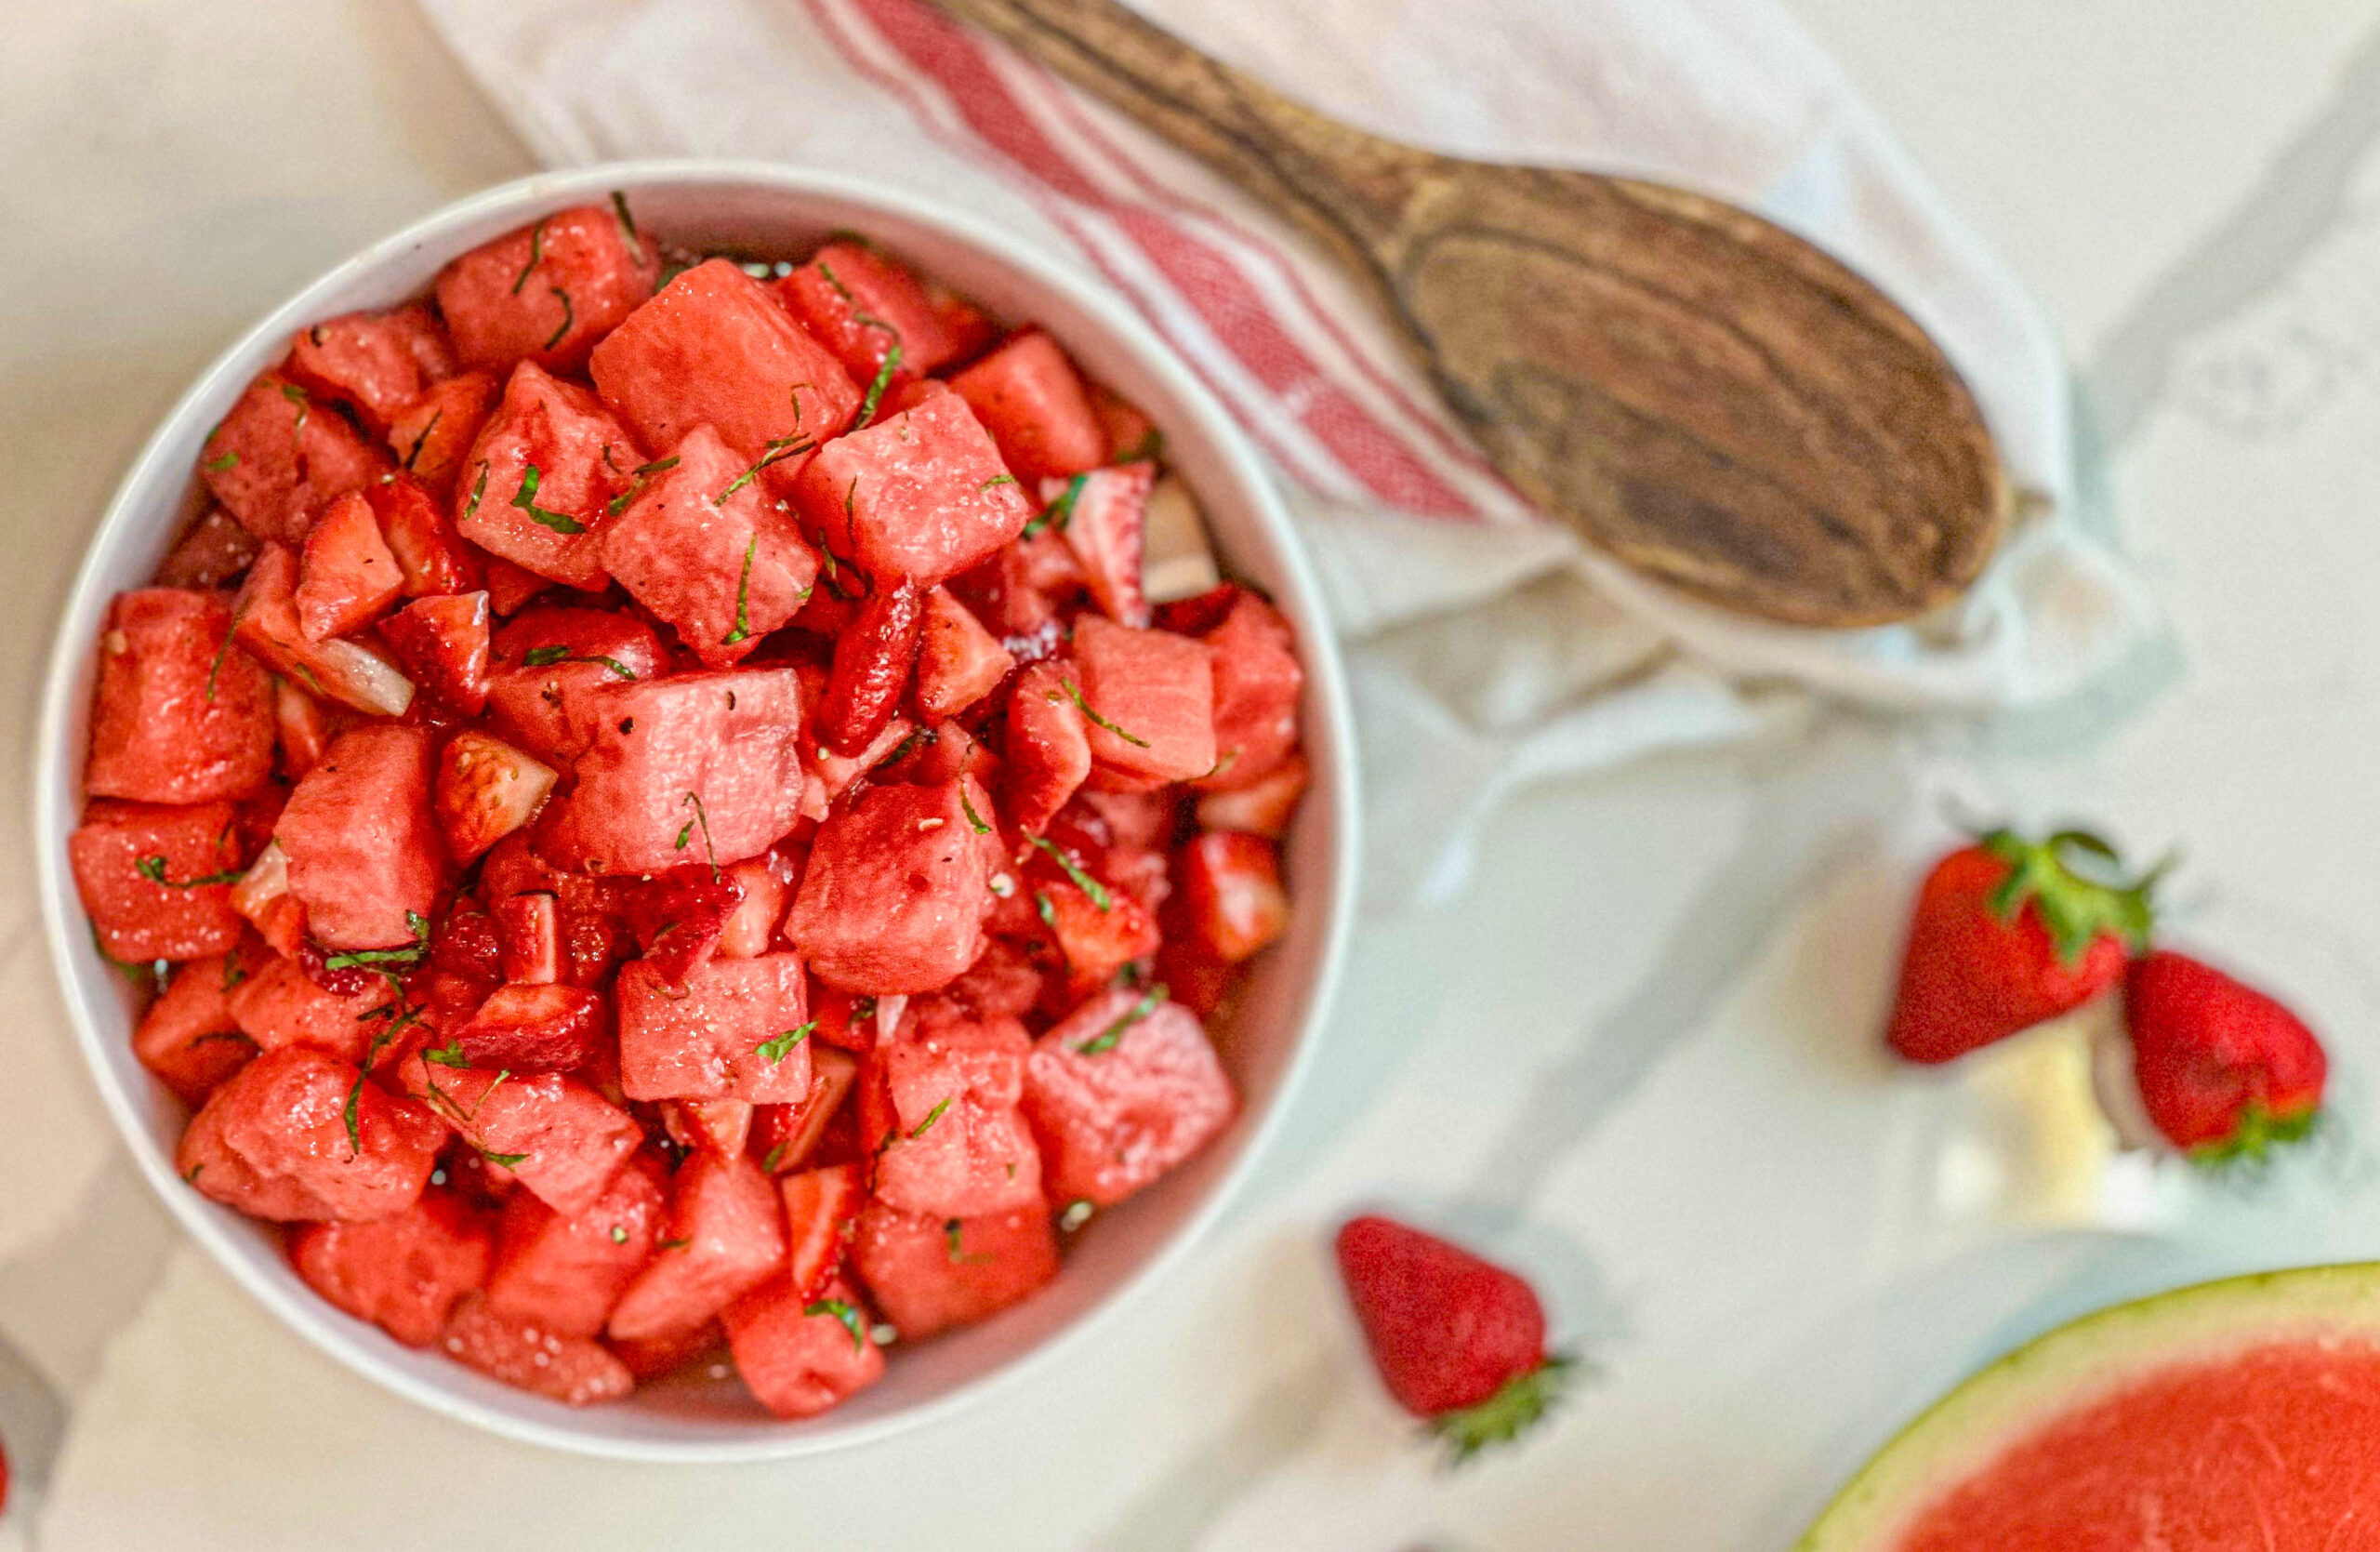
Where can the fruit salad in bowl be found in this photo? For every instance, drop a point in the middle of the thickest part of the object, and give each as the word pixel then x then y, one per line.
pixel 716 806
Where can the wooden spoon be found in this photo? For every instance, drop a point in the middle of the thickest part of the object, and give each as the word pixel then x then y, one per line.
pixel 1703 394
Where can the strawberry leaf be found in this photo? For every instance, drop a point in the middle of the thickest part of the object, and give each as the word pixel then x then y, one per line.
pixel 1503 1417
pixel 2077 901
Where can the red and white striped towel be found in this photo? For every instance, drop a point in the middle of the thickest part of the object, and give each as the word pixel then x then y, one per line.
pixel 1490 647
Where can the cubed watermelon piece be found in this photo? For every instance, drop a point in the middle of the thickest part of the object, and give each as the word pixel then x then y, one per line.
pixel 549 1028
pixel 279 457
pixel 528 937
pixel 721 1126
pixel 542 478
pixel 486 789
pixel 699 767
pixel 930 1273
pixel 713 348
pixel 860 302
pixel 432 437
pixel 1028 396
pixel 820 1207
pixel 266 617
pixel 365 859
pixel 1104 524
pixel 896 889
pixel 296 1134
pixel 1149 697
pixel 419 531
pixel 188 1037
pixel 1122 1091
pixel 799 1355
pixel 958 1147
pixel 561 1139
pixel 1005 982
pixel 211 553
pixel 548 292
pixel 786 1135
pixel 1047 744
pixel 725 1233
pixel 766 883
pixel 874 656
pixel 539 659
pixel 1261 807
pixel 378 363
pixel 679 916
pixel 518 1351
pixel 281 1005
pixel 179 715
pixel 443 644
pixel 1232 897
pixel 402 1273
pixel 1257 680
pixel 346 574
pixel 709 551
pixel 157 878
pixel 565 1273
pixel 921 494
pixel 959 661
pixel 735 1031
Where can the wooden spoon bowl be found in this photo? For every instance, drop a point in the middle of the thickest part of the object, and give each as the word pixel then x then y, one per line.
pixel 1711 398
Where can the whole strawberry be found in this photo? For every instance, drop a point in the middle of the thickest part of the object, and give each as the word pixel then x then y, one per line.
pixel 2006 933
pixel 1457 1341
pixel 2225 1071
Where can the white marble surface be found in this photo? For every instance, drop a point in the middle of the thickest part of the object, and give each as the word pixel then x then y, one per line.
pixel 2189 186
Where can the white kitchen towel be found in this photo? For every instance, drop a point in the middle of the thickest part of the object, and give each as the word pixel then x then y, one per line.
pixel 1490 647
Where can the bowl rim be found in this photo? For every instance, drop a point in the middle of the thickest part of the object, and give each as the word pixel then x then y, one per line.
pixel 54 810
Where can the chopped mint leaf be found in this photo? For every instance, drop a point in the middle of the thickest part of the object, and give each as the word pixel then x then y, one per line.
pixel 1074 693
pixel 974 819
pixel 702 818
pixel 153 870
pixel 628 237
pixel 777 1050
pixel 743 595
pixel 218 465
pixel 569 316
pixel 536 254
pixel 1084 882
pixel 845 1313
pixel 1105 1040
pixel 1059 513
pixel 932 1116
pixel 876 388
pixel 526 500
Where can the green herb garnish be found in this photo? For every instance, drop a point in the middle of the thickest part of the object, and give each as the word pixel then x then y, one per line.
pixel 674 1244
pixel 435 417
pixel 701 817
pixel 507 1159
pixel 479 488
pixel 743 595
pixel 777 1050
pixel 876 390
pixel 1105 1040
pixel 775 450
pixel 996 481
pixel 769 1164
pixel 1073 692
pixel 526 500
pixel 537 253
pixel 547 656
pixel 627 226
pixel 370 958
pixel 216 466
pixel 619 1235
pixel 1058 512
pixel 932 1116
pixel 153 870
pixel 1044 910
pixel 951 1228
pixel 973 818
pixel 845 1313
pixel 1084 882
pixel 569 316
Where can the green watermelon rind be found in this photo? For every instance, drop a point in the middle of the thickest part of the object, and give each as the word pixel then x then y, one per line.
pixel 2076 1364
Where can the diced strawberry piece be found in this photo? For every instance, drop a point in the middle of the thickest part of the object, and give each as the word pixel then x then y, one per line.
pixel 281 1005
pixel 1149 698
pixel 1199 613
pixel 544 656
pixel 896 889
pixel 820 1206
pixel 376 362
pixel 302 726
pixel 559 1138
pixel 1048 745
pixel 402 1273
pixel 859 303
pixel 736 1032
pixel 696 767
pixel 678 917
pixel 545 1028
pixel 262 897
pixel 275 1142
pixel 485 791
pixel 279 457
pixel 565 1273
pixel 139 866
pixel 466 944
pixel 710 550
pixel 713 348
pixel 1261 807
pixel 188 1037
pixel 1120 1092
pixel 1002 592
pixel 723 1126
pixel 872 663
pixel 921 494
pixel 1105 528
pixel 528 936
pixel 1027 395
pixel 786 1135
pixel 1232 893
pixel 443 644
pixel 365 856
pixel 973 330
pixel 432 436
pixel 959 661
pixel 1257 680
pixel 265 617
pixel 1003 983
pixel 1132 435
pixel 930 1273
pixel 1098 939
pixel 844 1021
pixel 649 1358
pixel 767 884
pixel 211 553
pixel 831 775
pixel 957 1146
pixel 725 1233
pixel 179 715
pixel 509 587
pixel 800 1356
pixel 548 292
pixel 429 553
pixel 541 477
pixel 522 1353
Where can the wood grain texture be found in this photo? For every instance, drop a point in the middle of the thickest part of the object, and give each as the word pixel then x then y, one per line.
pixel 1711 398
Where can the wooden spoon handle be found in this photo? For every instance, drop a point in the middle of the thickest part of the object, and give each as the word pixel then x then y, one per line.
pixel 1347 187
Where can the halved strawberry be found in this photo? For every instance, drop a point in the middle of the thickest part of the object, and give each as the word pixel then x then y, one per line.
pixel 302 725
pixel 443 643
pixel 959 661
pixel 213 551
pixel 484 791
pixel 528 936
pixel 1048 746
pixel 511 586
pixel 262 895
pixel 872 663
pixel 820 1207
pixel 346 576
pixel 767 882
pixel 1231 890
pixel 421 534
pixel 1104 523
pixel 1265 807
pixel 1099 935
pixel 265 621
pixel 434 435
pixel 679 916
pixel 721 1124
pixel 786 1135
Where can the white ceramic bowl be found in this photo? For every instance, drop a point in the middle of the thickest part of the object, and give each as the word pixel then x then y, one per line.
pixel 775 211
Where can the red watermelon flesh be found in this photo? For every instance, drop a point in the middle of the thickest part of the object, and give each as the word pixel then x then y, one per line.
pixel 958 1147
pixel 800 1354
pixel 1029 397
pixel 897 888
pixel 537 659
pixel 859 303
pixel 279 457
pixel 179 715
pixel 565 1272
pixel 548 292
pixel 733 1030
pixel 365 859
pixel 376 362
pixel 1149 698
pixel 540 478
pixel 402 1273
pixel 575 1371
pixel 188 1037
pixel 280 1005
pixel 1121 1090
pixel 433 436
pixel 274 1142
pixel 931 1273
pixel 725 1232
pixel 561 1139
pixel 921 494
pixel 155 878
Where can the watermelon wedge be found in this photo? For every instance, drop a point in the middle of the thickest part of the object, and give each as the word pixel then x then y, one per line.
pixel 2237 1414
